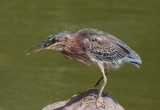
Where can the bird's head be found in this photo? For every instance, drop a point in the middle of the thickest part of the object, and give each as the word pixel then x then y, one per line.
pixel 52 42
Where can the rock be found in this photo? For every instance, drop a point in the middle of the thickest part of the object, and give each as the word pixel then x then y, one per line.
pixel 75 102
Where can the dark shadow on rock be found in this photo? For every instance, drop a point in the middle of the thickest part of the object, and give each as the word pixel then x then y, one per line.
pixel 75 102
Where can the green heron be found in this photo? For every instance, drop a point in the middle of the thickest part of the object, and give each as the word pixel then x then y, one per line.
pixel 92 47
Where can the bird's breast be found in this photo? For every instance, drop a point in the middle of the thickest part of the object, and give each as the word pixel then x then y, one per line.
pixel 81 57
pixel 76 48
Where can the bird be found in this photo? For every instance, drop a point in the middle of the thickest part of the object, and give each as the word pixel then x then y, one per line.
pixel 92 47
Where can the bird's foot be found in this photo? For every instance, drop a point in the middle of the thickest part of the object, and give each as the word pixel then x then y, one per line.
pixel 93 100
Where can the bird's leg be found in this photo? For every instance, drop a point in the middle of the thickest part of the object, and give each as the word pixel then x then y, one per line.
pixel 95 86
pixel 100 79
pixel 101 90
pixel 102 87
pixel 98 82
pixel 104 82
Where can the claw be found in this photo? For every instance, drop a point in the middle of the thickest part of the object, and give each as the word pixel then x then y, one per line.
pixel 93 100
pixel 100 103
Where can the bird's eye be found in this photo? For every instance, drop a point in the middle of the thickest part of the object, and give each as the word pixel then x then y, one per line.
pixel 54 40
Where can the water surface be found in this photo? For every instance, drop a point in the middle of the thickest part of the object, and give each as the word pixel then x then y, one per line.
pixel 32 82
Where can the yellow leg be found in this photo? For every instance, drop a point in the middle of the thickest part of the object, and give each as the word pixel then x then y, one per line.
pixel 92 101
pixel 104 80
pixel 102 87
pixel 101 90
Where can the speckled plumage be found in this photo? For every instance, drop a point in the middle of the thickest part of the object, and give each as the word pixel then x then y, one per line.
pixel 91 46
pixel 107 48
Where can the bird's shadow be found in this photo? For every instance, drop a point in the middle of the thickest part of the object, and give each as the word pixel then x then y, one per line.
pixel 79 97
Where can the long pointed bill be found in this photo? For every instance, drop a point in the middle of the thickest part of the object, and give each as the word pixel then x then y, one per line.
pixel 39 45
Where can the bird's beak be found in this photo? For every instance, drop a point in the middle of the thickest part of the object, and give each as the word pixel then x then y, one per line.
pixel 42 46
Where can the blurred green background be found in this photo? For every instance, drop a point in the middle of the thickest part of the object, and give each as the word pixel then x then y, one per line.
pixel 34 81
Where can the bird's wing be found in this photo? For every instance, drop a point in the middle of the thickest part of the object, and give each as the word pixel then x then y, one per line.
pixel 91 32
pixel 118 42
pixel 104 46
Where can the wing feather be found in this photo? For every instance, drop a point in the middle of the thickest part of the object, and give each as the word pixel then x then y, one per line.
pixel 106 47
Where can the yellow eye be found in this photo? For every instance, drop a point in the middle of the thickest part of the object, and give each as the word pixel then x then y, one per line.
pixel 56 38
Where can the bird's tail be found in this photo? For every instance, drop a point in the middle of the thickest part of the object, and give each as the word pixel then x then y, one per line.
pixel 133 58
